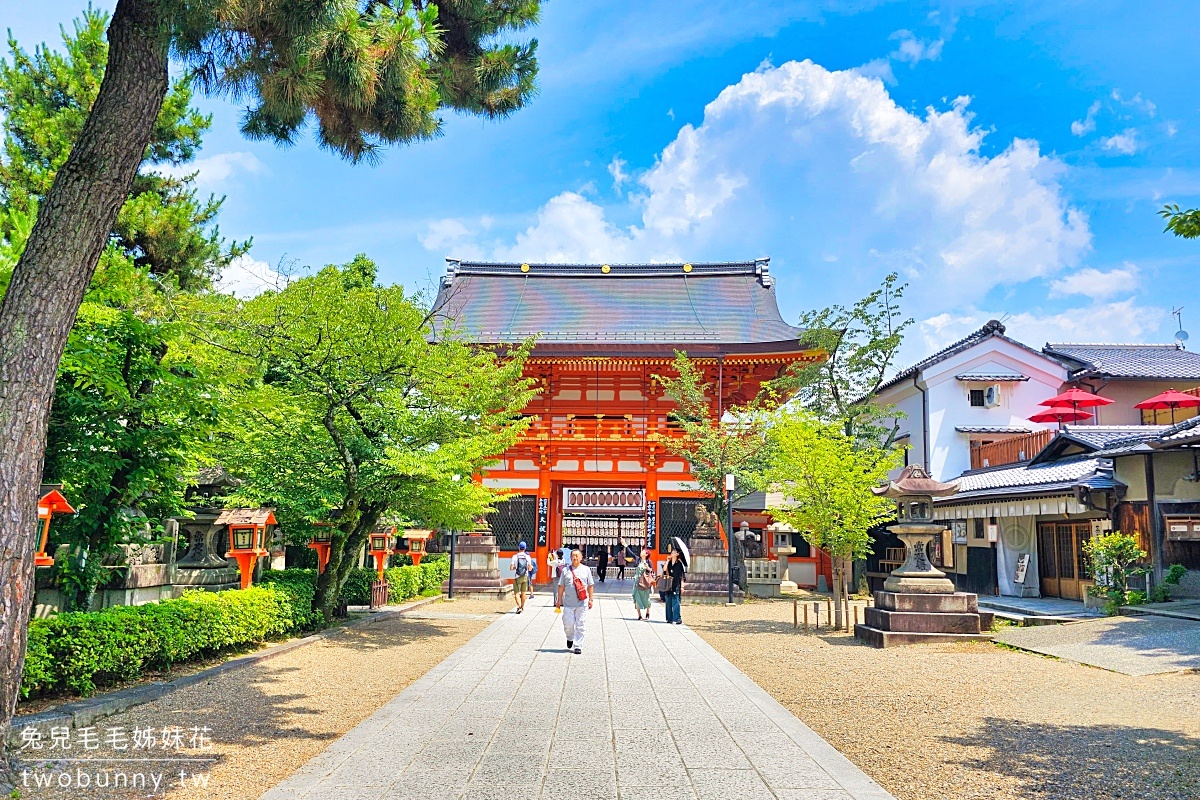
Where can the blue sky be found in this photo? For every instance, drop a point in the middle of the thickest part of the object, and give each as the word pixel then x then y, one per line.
pixel 1006 160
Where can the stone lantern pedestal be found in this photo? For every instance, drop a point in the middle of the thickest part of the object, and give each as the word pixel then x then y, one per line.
pixel 918 602
pixel 477 567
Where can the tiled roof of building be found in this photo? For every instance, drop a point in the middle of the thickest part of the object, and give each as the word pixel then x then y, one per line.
pixel 991 375
pixel 1183 433
pixel 993 328
pixel 629 304
pixel 993 429
pixel 1031 479
pixel 1147 361
pixel 1097 440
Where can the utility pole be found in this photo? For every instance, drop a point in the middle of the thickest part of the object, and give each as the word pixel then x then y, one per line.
pixel 729 529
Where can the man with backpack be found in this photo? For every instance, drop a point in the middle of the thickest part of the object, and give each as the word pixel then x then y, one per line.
pixel 522 564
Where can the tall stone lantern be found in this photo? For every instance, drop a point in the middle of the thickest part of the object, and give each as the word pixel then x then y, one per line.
pixel 913 492
pixel 918 602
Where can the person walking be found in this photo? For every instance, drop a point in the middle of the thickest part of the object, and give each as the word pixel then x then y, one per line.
pixel 521 567
pixel 533 568
pixel 576 591
pixel 622 560
pixel 558 565
pixel 643 582
pixel 602 562
pixel 675 570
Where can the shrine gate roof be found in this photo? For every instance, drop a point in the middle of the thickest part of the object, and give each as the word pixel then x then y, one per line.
pixel 639 307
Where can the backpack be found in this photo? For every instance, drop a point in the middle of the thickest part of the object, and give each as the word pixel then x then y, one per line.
pixel 522 565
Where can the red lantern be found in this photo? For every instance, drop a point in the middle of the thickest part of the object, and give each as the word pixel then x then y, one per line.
pixel 380 546
pixel 52 503
pixel 247 537
pixel 416 544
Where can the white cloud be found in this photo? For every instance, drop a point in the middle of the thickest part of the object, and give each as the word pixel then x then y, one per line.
pixel 1095 284
pixel 1082 127
pixel 914 50
pixel 1125 142
pixel 452 237
pixel 798 151
pixel 214 172
pixel 878 68
pixel 616 168
pixel 1137 102
pixel 245 277
pixel 1121 321
pixel 1172 129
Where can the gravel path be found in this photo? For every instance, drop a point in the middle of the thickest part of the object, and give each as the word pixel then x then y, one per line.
pixel 267 720
pixel 971 721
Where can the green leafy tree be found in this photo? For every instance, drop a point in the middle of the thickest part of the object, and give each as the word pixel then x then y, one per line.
pixel 129 407
pixel 1185 224
pixel 1113 558
pixel 736 444
pixel 826 478
pixel 350 405
pixel 369 73
pixel 860 344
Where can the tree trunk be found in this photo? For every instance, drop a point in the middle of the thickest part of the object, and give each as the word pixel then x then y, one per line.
pixel 838 580
pixel 47 286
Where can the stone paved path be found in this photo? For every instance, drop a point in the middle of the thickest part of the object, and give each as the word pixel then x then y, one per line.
pixel 647 712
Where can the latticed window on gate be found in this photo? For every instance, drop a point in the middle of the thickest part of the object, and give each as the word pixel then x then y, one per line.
pixel 677 517
pixel 514 521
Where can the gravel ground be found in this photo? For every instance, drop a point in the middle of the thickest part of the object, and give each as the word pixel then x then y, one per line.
pixel 972 720
pixel 268 719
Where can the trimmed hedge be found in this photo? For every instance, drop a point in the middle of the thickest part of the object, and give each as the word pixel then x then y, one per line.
pixel 81 651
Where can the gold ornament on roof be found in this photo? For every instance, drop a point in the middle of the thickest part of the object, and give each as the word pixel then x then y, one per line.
pixel 687 267
pixel 606 269
pixel 524 268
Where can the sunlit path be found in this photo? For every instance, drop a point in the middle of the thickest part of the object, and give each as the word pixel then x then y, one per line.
pixel 649 710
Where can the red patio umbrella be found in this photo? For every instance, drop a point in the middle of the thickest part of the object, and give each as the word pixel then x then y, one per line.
pixel 1076 399
pixel 1059 415
pixel 1170 399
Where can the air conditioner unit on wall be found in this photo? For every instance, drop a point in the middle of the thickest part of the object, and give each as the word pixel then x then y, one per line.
pixel 991 396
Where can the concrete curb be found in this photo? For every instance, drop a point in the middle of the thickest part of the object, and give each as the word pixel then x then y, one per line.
pixel 82 713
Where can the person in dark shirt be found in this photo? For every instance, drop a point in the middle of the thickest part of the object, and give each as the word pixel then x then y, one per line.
pixel 675 569
pixel 602 563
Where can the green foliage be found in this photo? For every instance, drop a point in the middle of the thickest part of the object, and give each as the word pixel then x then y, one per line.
pixel 1185 224
pixel 345 402
pixel 737 444
pixel 45 98
pixel 1175 574
pixel 1162 592
pixel 404 583
pixel 861 343
pixel 82 651
pixel 1112 557
pixel 369 73
pixel 1135 597
pixel 826 478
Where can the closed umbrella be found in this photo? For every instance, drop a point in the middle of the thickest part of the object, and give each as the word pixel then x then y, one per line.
pixel 1059 415
pixel 1170 399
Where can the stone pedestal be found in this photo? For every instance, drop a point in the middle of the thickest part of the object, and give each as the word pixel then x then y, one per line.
pixel 786 584
pixel 917 575
pixel 477 568
pixel 914 618
pixel 707 576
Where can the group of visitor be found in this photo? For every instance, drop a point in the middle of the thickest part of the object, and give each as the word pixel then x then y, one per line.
pixel 575 588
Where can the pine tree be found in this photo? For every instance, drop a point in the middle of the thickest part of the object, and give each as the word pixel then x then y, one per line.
pixel 368 72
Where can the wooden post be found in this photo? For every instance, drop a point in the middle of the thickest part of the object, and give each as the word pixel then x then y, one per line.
pixel 829 611
pixel 806 618
pixel 795 614
pixel 856 616
pixel 817 614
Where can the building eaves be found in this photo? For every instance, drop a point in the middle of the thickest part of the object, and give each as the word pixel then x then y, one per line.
pixel 991 329
pixel 1033 480
pixel 993 429
pixel 1162 362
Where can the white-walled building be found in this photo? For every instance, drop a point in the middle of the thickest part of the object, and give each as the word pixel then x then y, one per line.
pixel 979 390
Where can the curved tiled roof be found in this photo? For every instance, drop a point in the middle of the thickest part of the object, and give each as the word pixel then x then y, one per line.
pixel 1162 362
pixel 992 328
pixel 1030 479
pixel 727 303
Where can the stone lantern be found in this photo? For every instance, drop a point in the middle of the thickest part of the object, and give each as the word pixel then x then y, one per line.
pixel 380 545
pixel 913 492
pixel 417 540
pixel 247 537
pixel 52 502
pixel 918 602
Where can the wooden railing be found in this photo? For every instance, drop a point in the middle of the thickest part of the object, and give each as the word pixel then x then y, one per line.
pixel 1009 451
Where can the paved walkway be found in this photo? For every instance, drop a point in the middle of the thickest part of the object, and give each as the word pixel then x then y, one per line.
pixel 647 712
pixel 1132 645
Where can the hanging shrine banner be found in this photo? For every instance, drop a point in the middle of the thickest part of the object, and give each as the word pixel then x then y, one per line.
pixel 652 526
pixel 543 520
pixel 605 501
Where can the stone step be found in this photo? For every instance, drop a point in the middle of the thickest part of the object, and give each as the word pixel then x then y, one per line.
pixel 880 638
pixel 921 621
pixel 956 603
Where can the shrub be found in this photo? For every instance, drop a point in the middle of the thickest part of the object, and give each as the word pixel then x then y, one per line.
pixel 1135 598
pixel 81 651
pixel 1112 557
pixel 435 570
pixel 1175 574
pixel 357 589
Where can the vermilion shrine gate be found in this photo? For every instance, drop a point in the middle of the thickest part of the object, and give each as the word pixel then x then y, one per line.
pixel 592 470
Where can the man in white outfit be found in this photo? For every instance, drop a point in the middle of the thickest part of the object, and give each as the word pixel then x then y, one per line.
pixel 576 580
